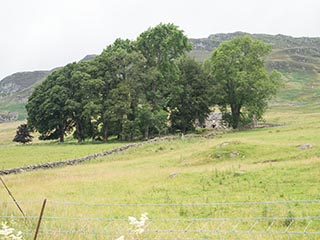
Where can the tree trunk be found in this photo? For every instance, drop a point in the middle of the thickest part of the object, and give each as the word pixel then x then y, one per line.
pixel 61 137
pixel 183 130
pixel 62 129
pixel 235 111
pixel 254 121
pixel 79 131
pixel 120 131
pixel 105 134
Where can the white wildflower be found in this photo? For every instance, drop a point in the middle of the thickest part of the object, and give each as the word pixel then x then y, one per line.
pixel 138 225
pixel 8 233
pixel 132 220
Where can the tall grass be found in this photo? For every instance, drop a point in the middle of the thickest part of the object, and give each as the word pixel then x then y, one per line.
pixel 254 165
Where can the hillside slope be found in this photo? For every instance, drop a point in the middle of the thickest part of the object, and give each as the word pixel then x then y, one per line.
pixel 14 92
pixel 298 59
pixel 16 89
pixel 260 165
pixel 18 86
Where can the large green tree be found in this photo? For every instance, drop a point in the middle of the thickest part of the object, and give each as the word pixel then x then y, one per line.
pixel 65 102
pixel 241 85
pixel 162 46
pixel 47 111
pixel 83 93
pixel 190 100
pixel 122 70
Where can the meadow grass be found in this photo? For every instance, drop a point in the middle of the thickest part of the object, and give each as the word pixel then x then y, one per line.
pixel 8 131
pixel 18 108
pixel 24 155
pixel 269 154
pixel 300 86
pixel 254 165
pixel 17 155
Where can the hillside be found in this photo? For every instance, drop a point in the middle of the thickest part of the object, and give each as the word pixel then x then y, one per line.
pixel 242 167
pixel 14 92
pixel 298 59
pixel 16 88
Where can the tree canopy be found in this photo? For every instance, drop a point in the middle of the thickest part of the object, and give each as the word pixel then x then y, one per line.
pixel 147 87
pixel 128 91
pixel 23 134
pixel 241 85
pixel 190 100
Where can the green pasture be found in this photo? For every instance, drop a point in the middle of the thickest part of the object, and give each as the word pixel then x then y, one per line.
pixel 18 155
pixel 244 166
pixel 15 107
pixel 266 155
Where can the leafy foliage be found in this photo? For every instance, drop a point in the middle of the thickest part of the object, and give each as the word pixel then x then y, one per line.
pixel 144 88
pixel 47 110
pixel 241 84
pixel 190 100
pixel 127 91
pixel 23 134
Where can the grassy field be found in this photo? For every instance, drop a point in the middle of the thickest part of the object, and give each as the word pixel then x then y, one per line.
pixel 17 108
pixel 18 155
pixel 255 165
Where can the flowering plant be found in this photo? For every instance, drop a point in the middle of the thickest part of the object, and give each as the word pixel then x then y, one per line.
pixel 7 232
pixel 138 225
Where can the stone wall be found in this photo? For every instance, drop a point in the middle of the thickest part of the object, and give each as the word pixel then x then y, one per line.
pixel 82 159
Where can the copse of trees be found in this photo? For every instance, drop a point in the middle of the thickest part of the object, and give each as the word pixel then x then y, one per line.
pixel 147 87
pixel 132 90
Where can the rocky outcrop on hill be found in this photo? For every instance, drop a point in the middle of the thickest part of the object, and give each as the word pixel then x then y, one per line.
pixel 298 59
pixel 20 81
pixel 8 117
pixel 17 87
pixel 88 57
pixel 277 41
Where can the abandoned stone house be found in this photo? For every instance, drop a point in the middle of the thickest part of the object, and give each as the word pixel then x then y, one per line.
pixel 214 121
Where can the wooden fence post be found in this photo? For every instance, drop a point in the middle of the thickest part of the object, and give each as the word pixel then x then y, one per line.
pixel 40 218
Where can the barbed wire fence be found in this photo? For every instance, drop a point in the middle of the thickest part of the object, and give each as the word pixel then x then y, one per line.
pixel 230 220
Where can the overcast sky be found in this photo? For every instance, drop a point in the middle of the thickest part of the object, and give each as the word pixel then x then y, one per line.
pixel 43 34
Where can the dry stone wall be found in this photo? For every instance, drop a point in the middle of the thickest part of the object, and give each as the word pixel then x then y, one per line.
pixel 82 159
